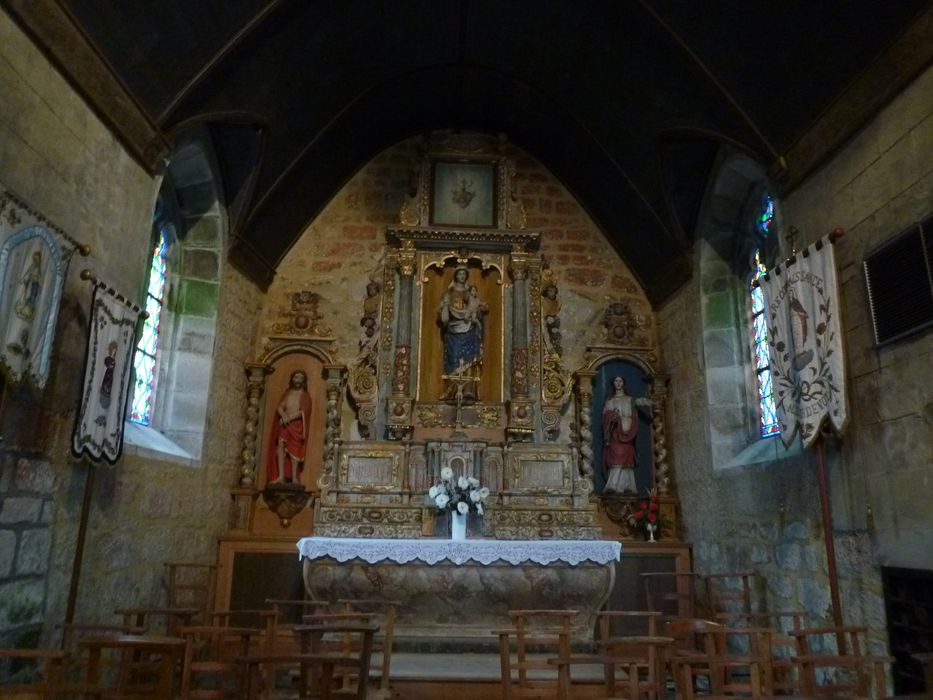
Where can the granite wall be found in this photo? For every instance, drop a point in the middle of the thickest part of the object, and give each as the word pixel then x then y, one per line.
pixel 764 515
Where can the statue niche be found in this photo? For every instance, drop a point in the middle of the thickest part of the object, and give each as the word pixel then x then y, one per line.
pixel 461 334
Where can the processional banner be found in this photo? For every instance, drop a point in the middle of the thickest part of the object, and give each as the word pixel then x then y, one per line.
pixel 98 431
pixel 805 343
pixel 34 258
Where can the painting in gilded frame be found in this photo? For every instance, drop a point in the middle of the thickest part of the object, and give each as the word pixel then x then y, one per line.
pixel 464 194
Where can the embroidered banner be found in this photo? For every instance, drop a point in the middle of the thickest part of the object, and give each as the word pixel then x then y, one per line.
pixel 805 344
pixel 34 258
pixel 98 431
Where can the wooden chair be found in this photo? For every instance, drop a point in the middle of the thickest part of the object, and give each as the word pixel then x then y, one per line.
pixel 147 665
pixel 158 620
pixel 689 653
pixel 262 619
pixel 628 640
pixel 191 585
pixel 741 662
pixel 784 680
pixel 386 612
pixel 317 669
pixel 209 668
pixel 542 631
pixel 31 674
pixel 729 593
pixel 291 612
pixel 336 643
pixel 837 654
pixel 74 666
pixel 673 594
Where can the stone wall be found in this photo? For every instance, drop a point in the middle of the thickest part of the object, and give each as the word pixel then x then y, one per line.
pixel 765 516
pixel 60 158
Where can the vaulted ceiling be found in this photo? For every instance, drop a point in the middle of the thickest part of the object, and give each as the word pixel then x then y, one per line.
pixel 626 101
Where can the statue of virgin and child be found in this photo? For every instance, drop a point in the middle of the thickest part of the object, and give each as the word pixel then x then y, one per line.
pixel 460 314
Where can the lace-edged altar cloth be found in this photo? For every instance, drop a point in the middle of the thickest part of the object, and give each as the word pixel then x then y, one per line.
pixel 433 551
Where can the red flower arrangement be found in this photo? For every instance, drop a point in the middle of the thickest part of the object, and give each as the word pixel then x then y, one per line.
pixel 647 514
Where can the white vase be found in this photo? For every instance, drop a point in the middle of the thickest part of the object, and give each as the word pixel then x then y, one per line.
pixel 458 526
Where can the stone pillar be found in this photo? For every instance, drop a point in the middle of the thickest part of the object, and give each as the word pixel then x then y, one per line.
pixel 398 410
pixel 521 408
pixel 585 422
pixel 256 373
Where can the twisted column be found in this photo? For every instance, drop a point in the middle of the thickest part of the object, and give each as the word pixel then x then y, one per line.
pixel 256 373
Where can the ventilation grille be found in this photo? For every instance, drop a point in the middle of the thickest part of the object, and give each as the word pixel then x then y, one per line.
pixel 899 276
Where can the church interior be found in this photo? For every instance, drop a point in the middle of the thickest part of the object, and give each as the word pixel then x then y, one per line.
pixel 350 271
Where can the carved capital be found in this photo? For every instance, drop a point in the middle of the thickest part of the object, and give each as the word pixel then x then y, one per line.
pixel 406 257
pixel 518 266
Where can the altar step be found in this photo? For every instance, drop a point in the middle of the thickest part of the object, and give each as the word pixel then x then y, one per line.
pixel 466 676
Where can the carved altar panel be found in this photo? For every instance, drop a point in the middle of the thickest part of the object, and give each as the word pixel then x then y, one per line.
pixel 540 469
pixel 370 468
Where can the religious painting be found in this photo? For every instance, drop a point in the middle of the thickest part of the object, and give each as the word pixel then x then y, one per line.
pixel 293 426
pixel 623 458
pixel 464 194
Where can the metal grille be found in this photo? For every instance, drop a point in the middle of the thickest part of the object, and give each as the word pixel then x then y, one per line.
pixel 899 276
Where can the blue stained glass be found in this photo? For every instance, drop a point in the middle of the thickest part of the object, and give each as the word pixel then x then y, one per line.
pixel 142 396
pixel 768 424
pixel 145 359
pixel 767 215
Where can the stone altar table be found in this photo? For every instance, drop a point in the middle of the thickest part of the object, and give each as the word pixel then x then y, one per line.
pixel 459 591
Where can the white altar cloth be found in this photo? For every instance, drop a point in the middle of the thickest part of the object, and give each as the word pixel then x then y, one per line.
pixel 433 551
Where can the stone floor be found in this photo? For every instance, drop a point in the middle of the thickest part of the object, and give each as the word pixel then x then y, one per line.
pixel 471 667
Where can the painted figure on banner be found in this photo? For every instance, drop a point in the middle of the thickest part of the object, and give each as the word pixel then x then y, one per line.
pixel 19 333
pixel 291 432
pixel 461 315
pixel 32 285
pixel 620 428
pixel 106 382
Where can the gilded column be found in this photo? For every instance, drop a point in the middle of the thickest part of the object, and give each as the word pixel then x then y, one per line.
pixel 584 423
pixel 256 373
pixel 521 408
pixel 399 403
pixel 334 377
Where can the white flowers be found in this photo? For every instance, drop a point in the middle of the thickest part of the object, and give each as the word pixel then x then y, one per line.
pixel 461 494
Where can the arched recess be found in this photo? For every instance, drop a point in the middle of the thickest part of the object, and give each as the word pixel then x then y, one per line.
pixel 727 237
pixel 593 386
pixel 267 379
pixel 190 212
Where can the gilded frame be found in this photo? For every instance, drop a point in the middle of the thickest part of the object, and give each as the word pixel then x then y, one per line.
pixel 464 193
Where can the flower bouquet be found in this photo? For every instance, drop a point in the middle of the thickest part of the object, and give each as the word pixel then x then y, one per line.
pixel 458 496
pixel 646 515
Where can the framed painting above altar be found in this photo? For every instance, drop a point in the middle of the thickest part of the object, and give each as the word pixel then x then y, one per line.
pixel 463 194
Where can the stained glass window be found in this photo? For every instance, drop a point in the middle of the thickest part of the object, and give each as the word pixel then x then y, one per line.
pixel 767 421
pixel 145 359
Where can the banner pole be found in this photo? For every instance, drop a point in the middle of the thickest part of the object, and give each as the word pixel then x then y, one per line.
pixel 828 534
pixel 79 545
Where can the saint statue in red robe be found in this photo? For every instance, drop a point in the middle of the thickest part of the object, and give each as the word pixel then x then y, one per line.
pixel 293 422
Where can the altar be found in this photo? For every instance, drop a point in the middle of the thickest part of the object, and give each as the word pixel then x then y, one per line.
pixel 455 591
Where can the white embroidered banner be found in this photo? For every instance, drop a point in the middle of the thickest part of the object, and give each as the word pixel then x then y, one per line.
pixel 805 344
pixel 98 432
pixel 34 257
